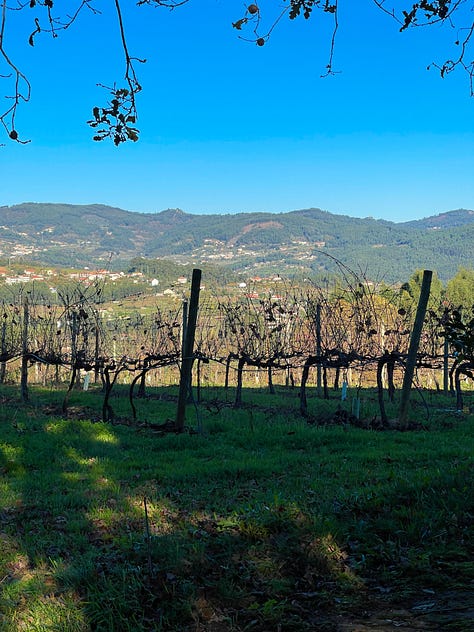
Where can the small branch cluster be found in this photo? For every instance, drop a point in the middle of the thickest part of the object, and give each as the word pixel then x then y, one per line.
pixel 253 18
pixel 117 120
pixel 456 15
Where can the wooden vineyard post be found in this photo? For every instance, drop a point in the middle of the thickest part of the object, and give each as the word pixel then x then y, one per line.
pixel 96 351
pixel 446 366
pixel 74 352
pixel 3 364
pixel 184 326
pixel 24 351
pixel 318 349
pixel 414 344
pixel 188 351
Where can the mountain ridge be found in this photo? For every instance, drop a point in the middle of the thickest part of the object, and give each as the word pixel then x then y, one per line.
pixel 293 241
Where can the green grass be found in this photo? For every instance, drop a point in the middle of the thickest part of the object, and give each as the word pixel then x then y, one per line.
pixel 262 522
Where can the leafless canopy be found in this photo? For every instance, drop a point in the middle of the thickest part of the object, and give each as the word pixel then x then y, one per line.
pixel 117 119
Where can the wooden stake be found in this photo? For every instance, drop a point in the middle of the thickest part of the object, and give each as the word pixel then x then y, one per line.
pixel 188 351
pixel 24 351
pixel 413 348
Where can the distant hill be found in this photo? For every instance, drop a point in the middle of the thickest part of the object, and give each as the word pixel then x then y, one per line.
pixel 303 242
pixel 451 219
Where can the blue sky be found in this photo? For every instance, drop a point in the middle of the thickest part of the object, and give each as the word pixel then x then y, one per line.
pixel 227 126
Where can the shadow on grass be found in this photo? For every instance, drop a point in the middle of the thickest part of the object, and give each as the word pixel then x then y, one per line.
pixel 227 544
pixel 77 553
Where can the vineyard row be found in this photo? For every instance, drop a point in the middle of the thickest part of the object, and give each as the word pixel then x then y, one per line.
pixel 352 332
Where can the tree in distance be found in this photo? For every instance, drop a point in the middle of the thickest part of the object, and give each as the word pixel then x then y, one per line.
pixel 460 289
pixel 117 119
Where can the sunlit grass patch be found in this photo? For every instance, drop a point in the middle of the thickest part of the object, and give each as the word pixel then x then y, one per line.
pixel 31 597
pixel 49 612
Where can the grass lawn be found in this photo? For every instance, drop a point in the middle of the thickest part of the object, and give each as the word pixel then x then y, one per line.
pixel 261 522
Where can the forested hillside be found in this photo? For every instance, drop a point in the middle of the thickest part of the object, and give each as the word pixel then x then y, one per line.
pixel 295 243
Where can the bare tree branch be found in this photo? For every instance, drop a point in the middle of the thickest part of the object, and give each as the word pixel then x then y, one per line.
pixel 22 87
pixel 424 13
pixel 118 118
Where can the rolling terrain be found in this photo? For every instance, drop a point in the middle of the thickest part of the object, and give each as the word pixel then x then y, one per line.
pixel 296 243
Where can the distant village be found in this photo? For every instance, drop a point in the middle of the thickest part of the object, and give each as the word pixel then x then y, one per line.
pixel 87 277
